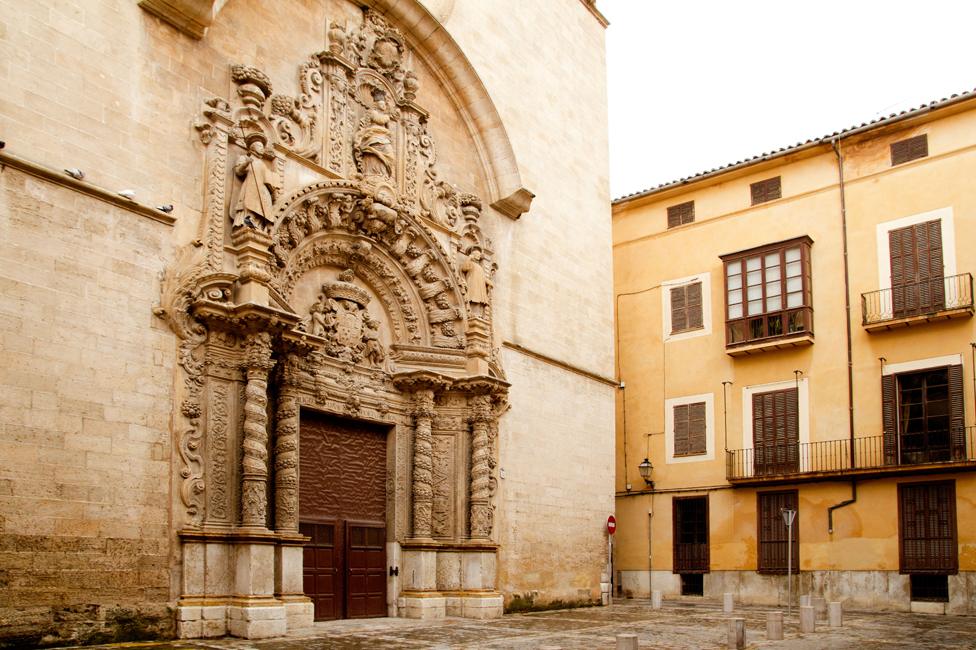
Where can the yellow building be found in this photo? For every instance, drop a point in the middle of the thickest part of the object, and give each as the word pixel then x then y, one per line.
pixel 795 332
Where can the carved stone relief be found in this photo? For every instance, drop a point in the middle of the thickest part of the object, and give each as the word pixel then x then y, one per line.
pixel 333 248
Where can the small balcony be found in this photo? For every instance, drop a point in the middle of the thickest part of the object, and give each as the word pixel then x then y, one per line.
pixel 919 302
pixel 831 459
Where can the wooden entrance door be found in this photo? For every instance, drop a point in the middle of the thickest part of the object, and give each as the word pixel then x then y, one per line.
pixel 342 506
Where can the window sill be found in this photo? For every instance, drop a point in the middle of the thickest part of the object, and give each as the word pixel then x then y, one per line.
pixel 769 345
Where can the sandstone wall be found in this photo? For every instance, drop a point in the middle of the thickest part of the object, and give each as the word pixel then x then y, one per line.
pixel 85 384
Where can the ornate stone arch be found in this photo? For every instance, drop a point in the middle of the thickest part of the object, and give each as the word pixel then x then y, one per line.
pixel 336 269
pixel 432 42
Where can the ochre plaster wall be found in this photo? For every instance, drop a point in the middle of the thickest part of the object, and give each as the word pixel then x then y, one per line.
pixel 865 536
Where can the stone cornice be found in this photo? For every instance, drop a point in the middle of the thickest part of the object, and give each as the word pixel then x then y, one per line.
pixel 59 177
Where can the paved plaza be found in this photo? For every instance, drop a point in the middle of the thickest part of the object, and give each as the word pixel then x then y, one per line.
pixel 683 625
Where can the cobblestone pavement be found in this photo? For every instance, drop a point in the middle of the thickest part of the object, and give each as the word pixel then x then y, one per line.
pixel 677 625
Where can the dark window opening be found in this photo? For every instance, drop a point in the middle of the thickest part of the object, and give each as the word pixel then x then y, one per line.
pixel 690 534
pixel 692 584
pixel 931 588
pixel 924 416
pixel 909 149
pixel 679 215
pixel 767 190
pixel 774 542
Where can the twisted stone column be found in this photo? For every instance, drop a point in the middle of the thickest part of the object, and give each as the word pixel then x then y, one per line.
pixel 423 463
pixel 286 462
pixel 480 505
pixel 254 475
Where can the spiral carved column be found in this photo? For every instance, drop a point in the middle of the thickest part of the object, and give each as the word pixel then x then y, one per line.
pixel 286 462
pixel 480 505
pixel 254 479
pixel 423 463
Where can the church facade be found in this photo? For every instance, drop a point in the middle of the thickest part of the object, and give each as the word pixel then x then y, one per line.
pixel 285 338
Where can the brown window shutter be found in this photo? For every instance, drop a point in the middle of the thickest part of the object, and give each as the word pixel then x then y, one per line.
pixel 909 149
pixel 928 538
pixel 681 430
pixel 773 534
pixel 679 215
pixel 694 302
pixel 697 443
pixel 889 419
pixel 767 190
pixel 957 414
pixel 679 311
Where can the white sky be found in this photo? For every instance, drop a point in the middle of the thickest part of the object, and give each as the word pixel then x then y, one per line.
pixel 695 84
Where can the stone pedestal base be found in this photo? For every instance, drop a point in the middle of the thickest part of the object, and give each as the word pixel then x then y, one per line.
pixel 424 606
pixel 200 621
pixel 257 621
pixel 299 612
pixel 488 605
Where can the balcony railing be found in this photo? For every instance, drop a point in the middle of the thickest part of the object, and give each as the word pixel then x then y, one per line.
pixel 926 298
pixel 834 457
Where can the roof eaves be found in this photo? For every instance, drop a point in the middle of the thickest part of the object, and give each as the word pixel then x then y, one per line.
pixel 800 146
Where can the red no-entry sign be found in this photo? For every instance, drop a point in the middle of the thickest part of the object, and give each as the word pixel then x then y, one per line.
pixel 611 524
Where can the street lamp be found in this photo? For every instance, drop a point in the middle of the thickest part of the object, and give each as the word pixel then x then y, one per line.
pixel 788 517
pixel 645 469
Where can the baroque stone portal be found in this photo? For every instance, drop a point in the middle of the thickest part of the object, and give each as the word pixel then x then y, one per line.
pixel 336 272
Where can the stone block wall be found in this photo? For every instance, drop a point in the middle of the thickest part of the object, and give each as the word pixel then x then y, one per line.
pixel 85 379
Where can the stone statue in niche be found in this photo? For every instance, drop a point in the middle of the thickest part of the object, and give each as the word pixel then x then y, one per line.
pixel 375 154
pixel 340 317
pixel 258 187
pixel 476 280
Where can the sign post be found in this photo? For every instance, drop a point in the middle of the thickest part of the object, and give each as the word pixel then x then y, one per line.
pixel 788 517
pixel 611 529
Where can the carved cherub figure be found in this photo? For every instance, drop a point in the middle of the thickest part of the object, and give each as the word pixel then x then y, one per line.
pixel 374 349
pixel 258 187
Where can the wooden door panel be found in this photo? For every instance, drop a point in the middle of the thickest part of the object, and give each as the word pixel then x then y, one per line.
pixel 343 467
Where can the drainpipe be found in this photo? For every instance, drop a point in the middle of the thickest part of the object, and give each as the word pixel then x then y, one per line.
pixel 830 510
pixel 835 143
pixel 847 296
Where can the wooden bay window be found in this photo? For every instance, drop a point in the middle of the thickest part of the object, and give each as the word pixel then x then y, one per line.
pixel 768 292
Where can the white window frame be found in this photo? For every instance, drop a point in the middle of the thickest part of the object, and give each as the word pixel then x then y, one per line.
pixel 802 414
pixel 669 404
pixel 948 242
pixel 921 364
pixel 706 291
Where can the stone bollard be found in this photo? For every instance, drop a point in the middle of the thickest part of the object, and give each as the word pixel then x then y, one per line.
pixel 805 600
pixel 626 642
pixel 737 633
pixel 836 614
pixel 808 618
pixel 727 603
pixel 820 606
pixel 656 599
pixel 774 626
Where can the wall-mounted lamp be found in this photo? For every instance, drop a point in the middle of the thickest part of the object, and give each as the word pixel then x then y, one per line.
pixel 645 469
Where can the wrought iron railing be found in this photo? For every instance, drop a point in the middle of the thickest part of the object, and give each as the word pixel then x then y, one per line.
pixel 918 299
pixel 835 456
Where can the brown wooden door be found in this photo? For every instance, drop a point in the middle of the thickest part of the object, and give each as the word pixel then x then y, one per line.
pixel 342 508
pixel 690 534
pixel 322 575
pixel 916 269
pixel 365 570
